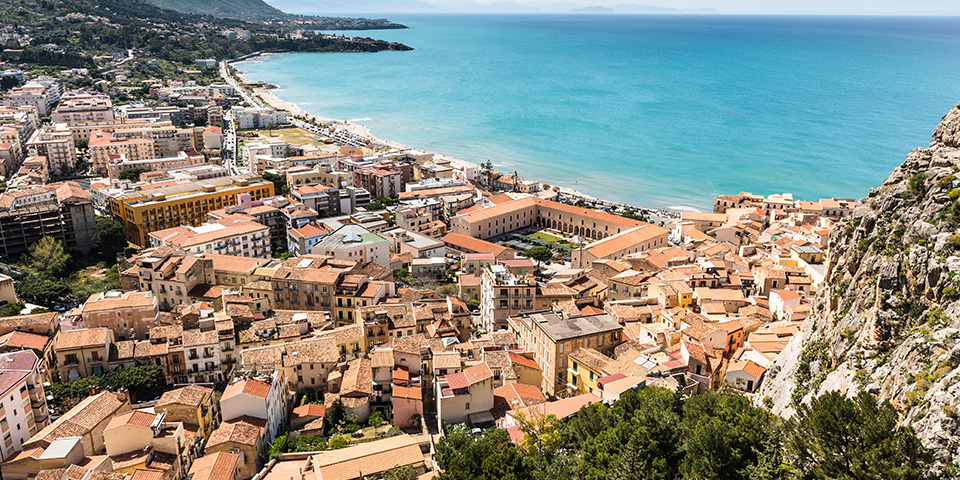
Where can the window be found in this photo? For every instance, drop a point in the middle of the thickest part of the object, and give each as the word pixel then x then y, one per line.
pixel 468 406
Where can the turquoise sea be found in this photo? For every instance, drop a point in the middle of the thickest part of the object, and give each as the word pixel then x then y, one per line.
pixel 658 111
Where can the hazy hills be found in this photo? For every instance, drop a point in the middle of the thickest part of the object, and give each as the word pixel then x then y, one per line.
pixel 465 6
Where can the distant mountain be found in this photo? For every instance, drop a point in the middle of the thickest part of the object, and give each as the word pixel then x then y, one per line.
pixel 237 9
pixel 465 6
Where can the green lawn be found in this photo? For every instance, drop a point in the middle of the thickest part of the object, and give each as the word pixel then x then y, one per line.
pixel 289 135
pixel 552 239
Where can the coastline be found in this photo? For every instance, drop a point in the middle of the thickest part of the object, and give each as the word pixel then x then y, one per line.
pixel 264 92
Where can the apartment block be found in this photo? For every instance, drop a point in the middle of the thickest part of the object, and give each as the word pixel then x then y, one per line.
pixel 83 107
pixel 63 211
pixel 56 144
pixel 130 315
pixel 142 211
pixel 42 94
pixel 502 295
pixel 23 404
pixel 552 336
pixel 116 166
pixel 258 117
pixel 226 237
pixel 82 352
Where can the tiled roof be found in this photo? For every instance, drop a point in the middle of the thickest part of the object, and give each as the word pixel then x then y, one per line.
pixel 216 466
pixel 310 410
pixel 358 378
pixel 590 358
pixel 136 418
pixel 80 419
pixel 249 386
pixel 561 408
pixel 82 337
pixel 244 430
pixel 470 244
pixel 370 458
pixel 410 393
pixel 191 395
pixel 518 359
pixel 24 340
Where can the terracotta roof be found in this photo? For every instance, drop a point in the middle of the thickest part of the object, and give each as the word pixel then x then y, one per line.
pixel 367 458
pixel 358 378
pixel 191 395
pixel 309 410
pixel 516 395
pixel 561 408
pixel 470 244
pixel 411 393
pixel 136 418
pixel 245 430
pixel 249 386
pixel 82 337
pixel 81 419
pixel 24 340
pixel 590 358
pixel 518 359
pixel 216 466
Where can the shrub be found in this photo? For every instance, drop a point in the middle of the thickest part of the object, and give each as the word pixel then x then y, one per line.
pixel 351 427
pixel 338 442
pixel 953 242
pixel 394 431
pixel 954 194
pixel 915 186
pixel 376 419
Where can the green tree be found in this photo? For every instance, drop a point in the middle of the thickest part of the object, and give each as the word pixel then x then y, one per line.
pixel 109 237
pixel 12 309
pixel 840 438
pixel 490 457
pixel 540 254
pixel 42 291
pixel 405 472
pixel 373 206
pixel 280 186
pixel 335 414
pixel 46 258
pixel 376 419
pixel 721 434
pixel 132 174
pixel 338 442
pixel 279 446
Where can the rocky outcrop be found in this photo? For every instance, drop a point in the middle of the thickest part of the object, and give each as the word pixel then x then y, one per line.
pixel 887 319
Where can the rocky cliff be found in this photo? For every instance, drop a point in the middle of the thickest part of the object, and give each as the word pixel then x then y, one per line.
pixel 887 319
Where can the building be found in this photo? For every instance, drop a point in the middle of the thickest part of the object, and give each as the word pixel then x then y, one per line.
pixel 354 243
pixel 130 315
pixel 41 94
pixel 457 244
pixel 367 460
pixel 258 117
pixel 466 397
pixel 258 399
pixel 618 246
pixel 82 352
pixel 176 278
pixel 301 240
pixel 22 399
pixel 202 354
pixel 419 246
pixel 83 107
pixel 142 211
pixel 216 466
pixel 118 165
pixel 225 237
pixel 192 405
pixel 106 148
pixel 86 420
pixel 63 211
pixel 242 436
pixel 536 212
pixel 55 143
pixel 502 295
pixel 139 439
pixel 553 336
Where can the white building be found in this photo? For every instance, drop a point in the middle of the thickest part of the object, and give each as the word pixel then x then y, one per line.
pixel 228 237
pixel 23 401
pixel 55 142
pixel 258 117
pixel 420 246
pixel 257 399
pixel 354 243
pixel 275 148
pixel 201 352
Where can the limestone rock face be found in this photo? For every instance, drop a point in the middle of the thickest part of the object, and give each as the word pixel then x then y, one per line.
pixel 887 319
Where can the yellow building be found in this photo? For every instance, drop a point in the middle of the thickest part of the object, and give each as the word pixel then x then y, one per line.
pixel 193 405
pixel 586 368
pixel 144 211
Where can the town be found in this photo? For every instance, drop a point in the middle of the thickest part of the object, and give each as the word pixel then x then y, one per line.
pixel 291 280
pixel 201 281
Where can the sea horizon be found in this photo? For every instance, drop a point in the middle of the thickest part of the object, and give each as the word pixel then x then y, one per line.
pixel 712 103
